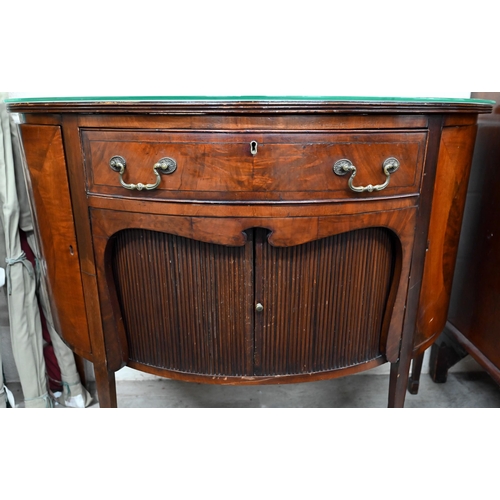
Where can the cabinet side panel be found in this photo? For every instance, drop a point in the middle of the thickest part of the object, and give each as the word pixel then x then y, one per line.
pixel 455 155
pixel 49 190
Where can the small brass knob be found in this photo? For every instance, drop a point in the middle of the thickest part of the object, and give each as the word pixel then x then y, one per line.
pixel 259 307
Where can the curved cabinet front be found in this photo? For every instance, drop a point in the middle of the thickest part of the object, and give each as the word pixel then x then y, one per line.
pixel 253 303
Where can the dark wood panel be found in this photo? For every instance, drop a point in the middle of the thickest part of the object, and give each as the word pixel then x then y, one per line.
pixel 48 183
pixel 186 305
pixel 324 302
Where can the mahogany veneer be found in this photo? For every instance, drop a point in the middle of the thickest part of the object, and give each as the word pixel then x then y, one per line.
pixel 253 262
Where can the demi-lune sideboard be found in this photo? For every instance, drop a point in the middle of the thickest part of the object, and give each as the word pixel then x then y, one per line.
pixel 248 240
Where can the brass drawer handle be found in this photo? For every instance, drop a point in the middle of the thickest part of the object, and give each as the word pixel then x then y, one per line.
pixel 389 167
pixel 165 166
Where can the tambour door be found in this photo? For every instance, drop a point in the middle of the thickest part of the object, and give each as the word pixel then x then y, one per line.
pixel 172 302
pixel 244 307
pixel 321 304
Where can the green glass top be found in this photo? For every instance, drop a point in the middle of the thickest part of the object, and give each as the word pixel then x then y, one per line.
pixel 250 98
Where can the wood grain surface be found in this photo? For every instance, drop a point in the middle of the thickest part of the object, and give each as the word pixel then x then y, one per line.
pixel 378 261
pixel 48 183
pixel 220 166
pixel 454 161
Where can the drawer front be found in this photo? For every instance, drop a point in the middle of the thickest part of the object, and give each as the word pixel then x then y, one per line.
pixel 218 166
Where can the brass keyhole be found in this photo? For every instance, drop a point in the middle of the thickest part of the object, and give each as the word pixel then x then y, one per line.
pixel 253 147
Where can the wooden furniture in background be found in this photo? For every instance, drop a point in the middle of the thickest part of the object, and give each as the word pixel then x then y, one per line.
pixel 228 241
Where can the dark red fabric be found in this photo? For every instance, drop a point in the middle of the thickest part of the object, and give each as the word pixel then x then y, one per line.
pixel 51 364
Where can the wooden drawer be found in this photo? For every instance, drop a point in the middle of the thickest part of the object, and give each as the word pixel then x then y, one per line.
pixel 219 166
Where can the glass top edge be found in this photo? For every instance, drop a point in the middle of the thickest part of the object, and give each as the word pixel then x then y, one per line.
pixel 108 99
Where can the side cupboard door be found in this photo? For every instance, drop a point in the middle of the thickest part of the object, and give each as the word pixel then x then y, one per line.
pixel 54 228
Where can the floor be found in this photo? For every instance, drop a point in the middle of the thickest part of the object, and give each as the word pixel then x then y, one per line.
pixel 462 390
pixel 476 390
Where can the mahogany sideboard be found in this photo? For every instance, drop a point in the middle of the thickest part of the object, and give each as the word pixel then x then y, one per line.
pixel 248 240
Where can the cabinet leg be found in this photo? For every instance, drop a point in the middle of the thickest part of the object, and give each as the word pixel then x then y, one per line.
pixel 80 368
pixel 416 370
pixel 445 353
pixel 398 383
pixel 106 386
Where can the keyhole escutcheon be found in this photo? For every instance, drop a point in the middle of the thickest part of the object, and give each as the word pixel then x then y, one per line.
pixel 253 147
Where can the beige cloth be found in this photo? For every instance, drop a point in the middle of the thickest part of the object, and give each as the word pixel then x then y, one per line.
pixel 24 315
pixel 73 392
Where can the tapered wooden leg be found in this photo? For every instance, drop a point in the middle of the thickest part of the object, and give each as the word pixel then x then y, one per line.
pixel 106 386
pixel 416 370
pixel 398 383
pixel 80 368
